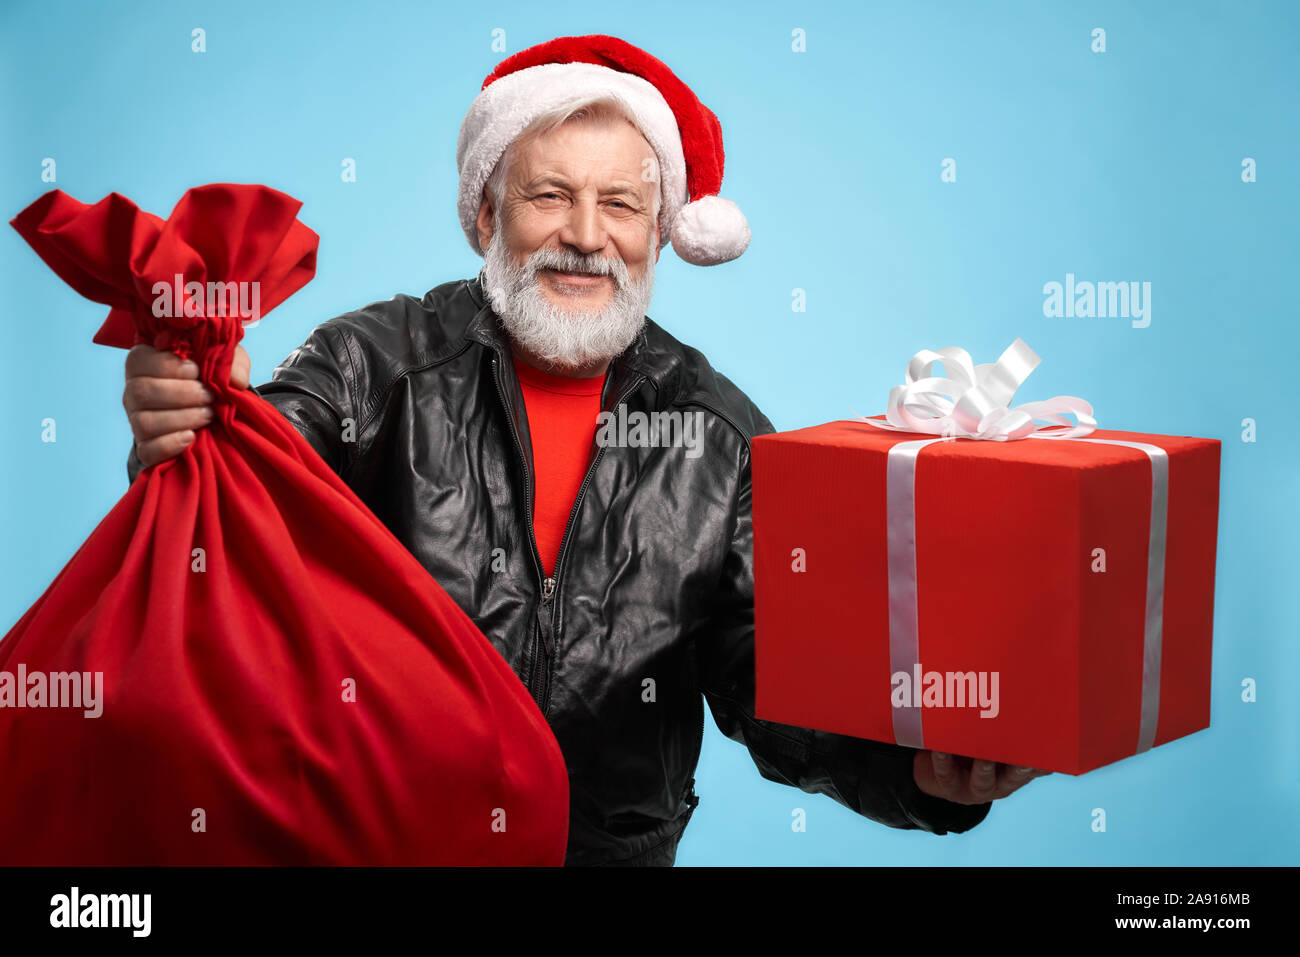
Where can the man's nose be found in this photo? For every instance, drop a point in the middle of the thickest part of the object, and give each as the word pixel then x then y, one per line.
pixel 583 229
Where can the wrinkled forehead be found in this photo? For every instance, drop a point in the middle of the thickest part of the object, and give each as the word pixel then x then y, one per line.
pixel 590 152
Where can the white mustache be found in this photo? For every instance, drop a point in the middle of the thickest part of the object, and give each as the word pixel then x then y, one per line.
pixel 565 261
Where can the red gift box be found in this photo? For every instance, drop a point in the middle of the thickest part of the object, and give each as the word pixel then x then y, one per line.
pixel 1042 603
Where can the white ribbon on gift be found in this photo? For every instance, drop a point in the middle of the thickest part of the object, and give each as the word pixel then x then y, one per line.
pixel 974 402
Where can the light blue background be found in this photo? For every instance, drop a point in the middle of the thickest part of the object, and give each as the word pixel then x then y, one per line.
pixel 1117 166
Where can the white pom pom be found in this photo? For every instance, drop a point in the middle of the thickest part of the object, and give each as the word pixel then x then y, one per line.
pixel 709 231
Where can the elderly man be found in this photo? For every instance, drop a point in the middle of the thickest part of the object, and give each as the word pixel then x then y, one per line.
pixel 614 576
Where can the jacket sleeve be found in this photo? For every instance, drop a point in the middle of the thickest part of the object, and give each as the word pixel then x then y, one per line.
pixel 315 389
pixel 871 778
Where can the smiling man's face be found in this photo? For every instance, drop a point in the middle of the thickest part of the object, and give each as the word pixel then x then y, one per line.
pixel 573 267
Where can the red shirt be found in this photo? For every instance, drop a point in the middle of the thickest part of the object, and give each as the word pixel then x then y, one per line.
pixel 562 415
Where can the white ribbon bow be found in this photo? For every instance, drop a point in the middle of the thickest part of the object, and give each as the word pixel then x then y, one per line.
pixel 974 401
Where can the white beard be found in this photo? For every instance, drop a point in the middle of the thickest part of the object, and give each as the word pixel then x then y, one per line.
pixel 567 338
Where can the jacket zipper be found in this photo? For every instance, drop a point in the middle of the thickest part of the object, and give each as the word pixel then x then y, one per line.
pixel 539 685
pixel 548 584
pixel 549 621
pixel 535 669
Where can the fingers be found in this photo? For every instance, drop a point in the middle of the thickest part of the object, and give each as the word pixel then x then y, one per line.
pixel 161 434
pixel 164 447
pixel 983 781
pixel 145 360
pixel 143 392
pixel 946 773
pixel 970 781
pixel 158 379
pixel 165 403
pixel 149 424
pixel 1012 777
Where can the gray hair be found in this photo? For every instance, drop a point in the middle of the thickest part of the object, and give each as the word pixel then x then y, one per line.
pixel 600 110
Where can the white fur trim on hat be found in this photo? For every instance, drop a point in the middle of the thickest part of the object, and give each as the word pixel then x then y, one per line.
pixel 505 108
pixel 709 231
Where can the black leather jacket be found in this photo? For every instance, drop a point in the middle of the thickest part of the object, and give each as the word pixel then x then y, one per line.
pixel 650 611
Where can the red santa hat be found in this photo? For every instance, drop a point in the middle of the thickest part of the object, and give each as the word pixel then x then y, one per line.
pixel 704 228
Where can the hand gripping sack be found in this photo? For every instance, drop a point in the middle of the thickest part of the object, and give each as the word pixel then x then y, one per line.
pixel 282 681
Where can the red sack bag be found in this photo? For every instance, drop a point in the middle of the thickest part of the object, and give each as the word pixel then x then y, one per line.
pixel 242 664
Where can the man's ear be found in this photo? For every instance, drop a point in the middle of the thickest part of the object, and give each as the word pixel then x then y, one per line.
pixel 484 223
pixel 658 248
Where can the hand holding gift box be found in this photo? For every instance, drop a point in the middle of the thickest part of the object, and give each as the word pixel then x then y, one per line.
pixel 960 576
